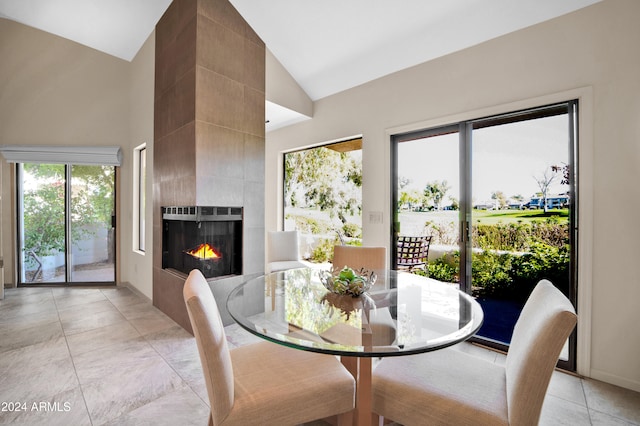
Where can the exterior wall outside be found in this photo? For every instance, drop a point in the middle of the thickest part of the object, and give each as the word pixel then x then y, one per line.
pixel 591 54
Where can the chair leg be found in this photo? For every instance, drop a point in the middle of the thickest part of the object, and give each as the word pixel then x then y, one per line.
pixel 351 364
pixel 346 419
pixel 377 419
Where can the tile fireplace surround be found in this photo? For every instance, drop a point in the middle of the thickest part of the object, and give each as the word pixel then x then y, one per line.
pixel 209 133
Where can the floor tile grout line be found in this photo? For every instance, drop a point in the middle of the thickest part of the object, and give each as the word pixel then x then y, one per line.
pixel 495 361
pixel 75 370
pixel 586 402
pixel 91 331
pixel 184 381
pixel 630 422
pixel 58 297
pixel 176 371
pixel 139 336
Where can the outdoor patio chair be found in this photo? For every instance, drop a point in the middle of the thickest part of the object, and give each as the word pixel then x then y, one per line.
pixel 413 252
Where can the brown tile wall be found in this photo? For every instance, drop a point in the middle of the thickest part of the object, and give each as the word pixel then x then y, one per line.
pixel 209 131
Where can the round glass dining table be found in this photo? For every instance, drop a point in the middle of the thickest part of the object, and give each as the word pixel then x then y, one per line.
pixel 401 314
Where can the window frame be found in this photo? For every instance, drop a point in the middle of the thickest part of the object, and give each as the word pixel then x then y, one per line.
pixel 353 143
pixel 139 198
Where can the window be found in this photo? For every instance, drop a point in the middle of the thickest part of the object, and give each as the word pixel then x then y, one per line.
pixel 323 197
pixel 139 197
pixel 498 196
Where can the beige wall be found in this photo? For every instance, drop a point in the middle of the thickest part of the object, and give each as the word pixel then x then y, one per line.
pixel 56 92
pixel 6 248
pixel 136 267
pixel 592 54
pixel 283 90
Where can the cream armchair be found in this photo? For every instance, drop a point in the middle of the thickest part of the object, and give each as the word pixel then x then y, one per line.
pixel 283 251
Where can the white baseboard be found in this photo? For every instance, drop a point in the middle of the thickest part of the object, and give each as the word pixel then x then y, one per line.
pixel 615 380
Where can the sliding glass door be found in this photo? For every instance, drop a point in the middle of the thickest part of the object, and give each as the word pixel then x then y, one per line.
pixel 498 201
pixel 42 240
pixel 66 230
pixel 427 190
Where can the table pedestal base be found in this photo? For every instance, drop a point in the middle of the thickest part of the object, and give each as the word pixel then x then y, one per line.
pixel 360 368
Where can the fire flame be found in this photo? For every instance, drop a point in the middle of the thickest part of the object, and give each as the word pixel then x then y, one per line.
pixel 203 251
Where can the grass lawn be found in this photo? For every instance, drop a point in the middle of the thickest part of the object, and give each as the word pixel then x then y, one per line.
pixel 491 217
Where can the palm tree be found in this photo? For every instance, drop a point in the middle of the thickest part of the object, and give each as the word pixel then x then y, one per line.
pixel 436 192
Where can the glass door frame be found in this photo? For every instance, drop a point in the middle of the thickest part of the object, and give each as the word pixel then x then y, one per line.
pixel 404 137
pixel 465 130
pixel 18 171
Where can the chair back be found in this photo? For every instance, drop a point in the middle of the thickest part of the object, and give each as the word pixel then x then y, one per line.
pixel 412 251
pixel 283 246
pixel 545 323
pixel 212 345
pixel 371 258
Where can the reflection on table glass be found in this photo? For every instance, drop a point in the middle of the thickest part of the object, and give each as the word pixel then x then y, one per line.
pixel 402 313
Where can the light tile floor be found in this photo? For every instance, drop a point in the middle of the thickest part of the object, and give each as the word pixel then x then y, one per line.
pixel 106 356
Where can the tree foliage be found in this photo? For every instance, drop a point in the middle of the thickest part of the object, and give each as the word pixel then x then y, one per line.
pixel 566 173
pixel 324 179
pixel 44 204
pixel 544 183
pixel 92 198
pixel 435 192
pixel 500 198
pixel 410 198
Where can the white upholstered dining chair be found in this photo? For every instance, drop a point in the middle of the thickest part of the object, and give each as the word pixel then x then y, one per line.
pixel 450 387
pixel 263 383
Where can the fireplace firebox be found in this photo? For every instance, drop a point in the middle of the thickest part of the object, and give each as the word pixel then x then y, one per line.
pixel 205 238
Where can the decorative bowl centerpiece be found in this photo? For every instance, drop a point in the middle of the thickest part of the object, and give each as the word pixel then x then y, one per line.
pixel 347 281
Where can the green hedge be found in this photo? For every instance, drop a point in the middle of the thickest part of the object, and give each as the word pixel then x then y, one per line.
pixel 507 275
pixel 513 276
pixel 509 259
pixel 520 236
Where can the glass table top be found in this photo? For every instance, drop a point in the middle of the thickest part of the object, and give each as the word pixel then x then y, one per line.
pixel 401 314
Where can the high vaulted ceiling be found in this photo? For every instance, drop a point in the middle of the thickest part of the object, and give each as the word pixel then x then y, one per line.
pixel 332 45
pixel 327 46
pixel 116 27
